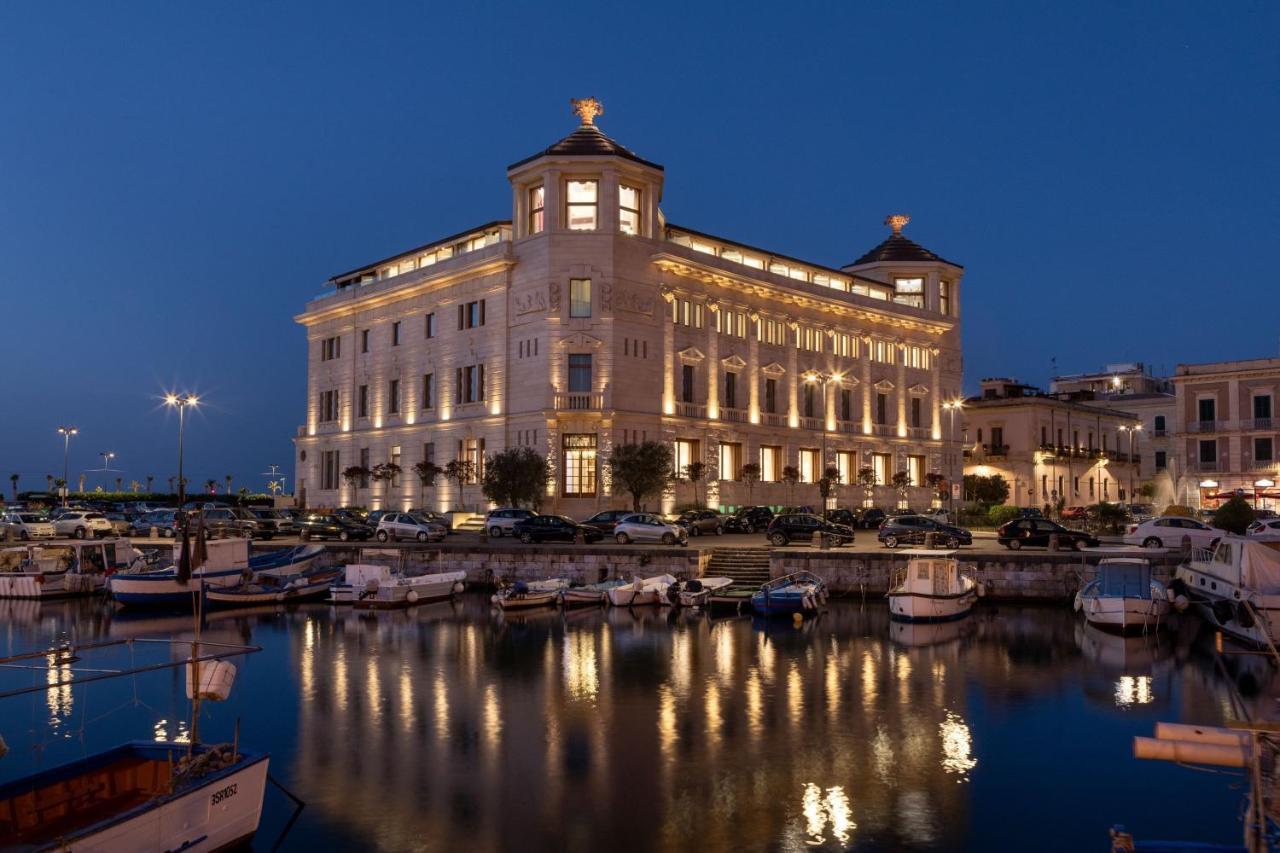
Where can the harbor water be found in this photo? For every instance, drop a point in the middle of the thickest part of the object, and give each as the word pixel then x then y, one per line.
pixel 452 727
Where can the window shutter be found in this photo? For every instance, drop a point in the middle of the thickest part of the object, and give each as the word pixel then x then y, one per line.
pixel 482 301
pixel 457 386
pixel 461 315
pixel 480 381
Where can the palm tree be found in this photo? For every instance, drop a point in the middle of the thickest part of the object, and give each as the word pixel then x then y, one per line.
pixel 150 479
pixel 171 479
pixel 867 479
pixel 13 486
pixel 48 478
pixel 901 481
pixel 228 478
pixel 750 474
pixel 212 486
pixel 119 484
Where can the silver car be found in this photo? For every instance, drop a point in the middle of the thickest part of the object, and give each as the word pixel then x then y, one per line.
pixel 400 525
pixel 500 522
pixel 647 527
pixel 82 525
pixel 27 525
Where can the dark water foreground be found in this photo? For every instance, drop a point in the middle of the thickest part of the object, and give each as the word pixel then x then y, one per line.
pixel 447 727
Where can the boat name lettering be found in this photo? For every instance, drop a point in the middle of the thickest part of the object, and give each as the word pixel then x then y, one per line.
pixel 225 794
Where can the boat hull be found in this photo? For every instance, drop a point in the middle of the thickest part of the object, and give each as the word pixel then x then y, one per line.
pixel 633 596
pixel 34 585
pixel 162 589
pixel 1123 615
pixel 392 596
pixel 922 607
pixel 234 598
pixel 527 601
pixel 583 597
pixel 1223 610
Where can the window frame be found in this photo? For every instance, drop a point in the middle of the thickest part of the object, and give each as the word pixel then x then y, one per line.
pixel 570 206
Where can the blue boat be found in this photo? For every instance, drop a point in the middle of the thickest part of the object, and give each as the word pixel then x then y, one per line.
pixel 801 592
pixel 161 587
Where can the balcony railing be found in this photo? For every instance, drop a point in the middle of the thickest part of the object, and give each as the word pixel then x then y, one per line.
pixel 773 419
pixel 692 410
pixel 1159 433
pixel 1208 426
pixel 849 426
pixel 1261 423
pixel 995 451
pixel 736 415
pixel 918 432
pixel 585 401
pixel 884 429
pixel 1201 467
pixel 814 424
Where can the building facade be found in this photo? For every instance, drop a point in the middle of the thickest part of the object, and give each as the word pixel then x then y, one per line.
pixel 1226 431
pixel 587 321
pixel 1050 448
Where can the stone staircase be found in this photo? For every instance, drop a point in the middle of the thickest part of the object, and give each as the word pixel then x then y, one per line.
pixel 467 522
pixel 749 567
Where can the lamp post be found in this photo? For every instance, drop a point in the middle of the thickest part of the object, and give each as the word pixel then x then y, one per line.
pixel 66 432
pixel 951 407
pixel 181 402
pixel 823 378
pixel 1131 430
pixel 107 456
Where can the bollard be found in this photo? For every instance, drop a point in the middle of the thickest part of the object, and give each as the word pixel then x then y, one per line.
pixel 1053 542
pixel 931 539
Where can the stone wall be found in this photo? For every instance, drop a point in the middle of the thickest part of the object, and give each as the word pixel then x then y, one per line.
pixel 1024 575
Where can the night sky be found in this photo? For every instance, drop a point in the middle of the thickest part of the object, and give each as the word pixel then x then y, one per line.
pixel 177 179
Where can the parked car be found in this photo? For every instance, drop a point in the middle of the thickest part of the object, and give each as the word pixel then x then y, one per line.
pixel 395 526
pixel 1170 531
pixel 554 528
pixel 82 524
pixel 647 527
pixel 374 516
pixel 748 519
pixel 165 520
pixel 1141 512
pixel 847 517
pixel 938 514
pixel 120 522
pixel 428 515
pixel 228 521
pixel 870 518
pixel 332 526
pixel 915 529
pixel 607 520
pixel 500 522
pixel 803 527
pixel 700 521
pixel 1267 529
pixel 27 525
pixel 1035 532
pixel 274 522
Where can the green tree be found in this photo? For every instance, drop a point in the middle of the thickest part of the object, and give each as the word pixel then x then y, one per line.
pixel 641 470
pixel 427 472
pixel 901 481
pixel 515 477
pixel 694 472
pixel 936 482
pixel 355 475
pixel 750 474
pixel 827 484
pixel 13 486
pixel 986 490
pixel 1234 516
pixel 1108 516
pixel 867 479
pixel 1147 490
pixel 460 471
pixel 791 476
pixel 212 486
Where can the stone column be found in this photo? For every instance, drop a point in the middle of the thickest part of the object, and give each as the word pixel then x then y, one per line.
pixel 668 352
pixel 935 392
pixel 753 371
pixel 867 390
pixel 713 360
pixel 901 349
pixel 793 380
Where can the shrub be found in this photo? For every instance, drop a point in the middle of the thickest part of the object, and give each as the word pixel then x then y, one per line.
pixel 1179 509
pixel 1108 515
pixel 1234 516
pixel 1002 514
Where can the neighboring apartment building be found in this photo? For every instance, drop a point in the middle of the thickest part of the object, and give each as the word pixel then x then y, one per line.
pixel 587 321
pixel 1050 447
pixel 1226 430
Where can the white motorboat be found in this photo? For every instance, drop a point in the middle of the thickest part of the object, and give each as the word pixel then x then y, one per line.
pixel 523 595
pixel 1123 597
pixel 1235 587
pixel 640 591
pixel 931 588
pixel 378 587
pixel 695 592
pixel 63 569
pixel 592 594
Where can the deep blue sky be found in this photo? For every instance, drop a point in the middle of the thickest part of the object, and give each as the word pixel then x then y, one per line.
pixel 177 179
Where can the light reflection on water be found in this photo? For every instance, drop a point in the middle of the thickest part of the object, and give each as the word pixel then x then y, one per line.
pixel 447 726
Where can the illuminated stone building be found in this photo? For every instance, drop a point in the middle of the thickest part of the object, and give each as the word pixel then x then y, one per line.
pixel 587 320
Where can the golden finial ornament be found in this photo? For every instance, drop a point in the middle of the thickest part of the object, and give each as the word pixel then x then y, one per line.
pixel 587 109
pixel 897 221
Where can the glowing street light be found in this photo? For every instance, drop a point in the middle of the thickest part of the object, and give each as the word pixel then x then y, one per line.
pixel 951 407
pixel 66 432
pixel 181 402
pixel 813 377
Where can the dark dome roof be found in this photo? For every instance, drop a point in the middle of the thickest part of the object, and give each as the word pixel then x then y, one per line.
pixel 587 141
pixel 898 249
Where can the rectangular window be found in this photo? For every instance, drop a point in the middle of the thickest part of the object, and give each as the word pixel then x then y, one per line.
pixel 395 334
pixel 882 408
pixel 880 465
pixel 329 469
pixel 909 291
pixel 915 412
pixel 328 406
pixel 771 396
pixel 472 450
pixel 684 451
pixel 363 481
pixel 846 407
pixel 469 384
pixel 429 326
pixel 944 297
pixel 393 396
pixel 429 451
pixel 628 209
pixel 731 390
pixel 1209 451
pixel 428 390
pixel 1262 451
pixel 686 383
pixel 579 373
pixel 580 200
pixel 808 399
pixel 330 348
pixel 579 297
pixel 1262 407
pixel 1162 460
pixel 915 470
pixel 537 203
pixel 362 402
pixel 364 340
pixel 844 464
pixel 770 464
pixel 1208 410
pixel 395 470
pixel 579 463
pixel 809 466
pixel 730 461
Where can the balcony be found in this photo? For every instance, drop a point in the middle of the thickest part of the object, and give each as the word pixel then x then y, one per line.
pixel 1159 433
pixel 995 451
pixel 1208 426
pixel 738 416
pixel 586 401
pixel 814 424
pixel 922 433
pixel 884 429
pixel 773 419
pixel 692 410
pixel 1203 467
pixel 1260 423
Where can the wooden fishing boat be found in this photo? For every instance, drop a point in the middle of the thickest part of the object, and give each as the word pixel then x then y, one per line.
pixel 639 592
pixel 799 592
pixel 931 588
pixel 378 587
pixel 695 592
pixel 590 595
pixel 524 595
pixel 268 588
pixel 1123 596
pixel 64 569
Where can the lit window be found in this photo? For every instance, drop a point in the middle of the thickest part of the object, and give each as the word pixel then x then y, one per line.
pixel 809 466
pixel 579 463
pixel 581 199
pixel 579 373
pixel 909 291
pixel 844 464
pixel 880 463
pixel 915 470
pixel 944 297
pixel 685 453
pixel 537 214
pixel 628 209
pixel 579 297
pixel 730 461
pixel 770 464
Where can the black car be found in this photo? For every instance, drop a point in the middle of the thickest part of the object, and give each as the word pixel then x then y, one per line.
pixel 608 519
pixel 554 528
pixel 1035 532
pixel 273 522
pixel 847 517
pixel 748 519
pixel 803 527
pixel 870 518
pixel 332 526
pixel 915 530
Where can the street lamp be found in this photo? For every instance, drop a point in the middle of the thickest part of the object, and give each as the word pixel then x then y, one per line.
pixel 951 407
pixel 66 432
pixel 181 402
pixel 824 378
pixel 1132 430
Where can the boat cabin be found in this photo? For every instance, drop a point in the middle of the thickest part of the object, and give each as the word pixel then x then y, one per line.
pixel 231 553
pixel 928 572
pixel 100 556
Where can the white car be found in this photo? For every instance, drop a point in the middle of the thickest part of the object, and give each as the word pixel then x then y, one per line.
pixel 938 514
pixel 82 524
pixel 401 525
pixel 647 527
pixel 1266 529
pixel 28 525
pixel 501 522
pixel 1169 532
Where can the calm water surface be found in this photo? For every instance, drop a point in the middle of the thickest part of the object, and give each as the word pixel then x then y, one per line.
pixel 451 727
